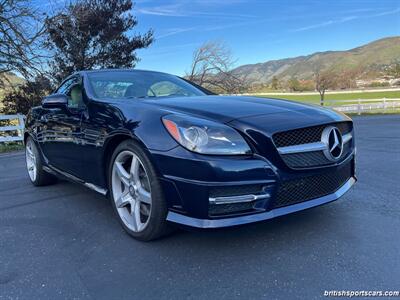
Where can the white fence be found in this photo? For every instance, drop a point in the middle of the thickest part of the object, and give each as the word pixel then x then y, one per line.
pixel 17 129
pixel 364 105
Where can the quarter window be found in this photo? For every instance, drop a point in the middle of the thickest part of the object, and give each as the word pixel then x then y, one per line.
pixel 63 89
pixel 73 89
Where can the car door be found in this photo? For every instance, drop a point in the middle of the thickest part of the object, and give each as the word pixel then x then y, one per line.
pixel 61 142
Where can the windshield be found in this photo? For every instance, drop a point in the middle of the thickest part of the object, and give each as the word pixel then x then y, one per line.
pixel 139 84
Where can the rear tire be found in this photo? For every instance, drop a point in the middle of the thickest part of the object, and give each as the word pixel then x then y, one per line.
pixel 34 165
pixel 136 194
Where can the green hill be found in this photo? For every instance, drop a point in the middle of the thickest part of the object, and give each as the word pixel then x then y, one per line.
pixel 367 61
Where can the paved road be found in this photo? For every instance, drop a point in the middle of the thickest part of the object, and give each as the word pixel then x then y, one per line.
pixel 63 241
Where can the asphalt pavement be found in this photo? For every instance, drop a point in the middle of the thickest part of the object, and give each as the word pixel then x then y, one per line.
pixel 63 241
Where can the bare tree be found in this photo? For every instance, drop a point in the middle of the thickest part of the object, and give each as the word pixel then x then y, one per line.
pixel 324 80
pixel 346 79
pixel 209 59
pixel 20 30
pixel 212 68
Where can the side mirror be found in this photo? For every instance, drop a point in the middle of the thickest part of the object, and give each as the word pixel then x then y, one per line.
pixel 54 101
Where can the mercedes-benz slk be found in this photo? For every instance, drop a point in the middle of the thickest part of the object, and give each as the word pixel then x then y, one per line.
pixel 166 150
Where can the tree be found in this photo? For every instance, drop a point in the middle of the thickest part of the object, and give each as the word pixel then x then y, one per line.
pixel 20 31
pixel 93 34
pixel 26 96
pixel 324 80
pixel 212 66
pixel 275 83
pixel 294 84
pixel 347 79
pixel 394 70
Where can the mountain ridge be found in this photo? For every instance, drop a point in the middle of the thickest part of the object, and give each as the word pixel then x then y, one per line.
pixel 362 60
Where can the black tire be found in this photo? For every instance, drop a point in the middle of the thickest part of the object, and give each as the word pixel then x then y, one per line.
pixel 42 177
pixel 157 225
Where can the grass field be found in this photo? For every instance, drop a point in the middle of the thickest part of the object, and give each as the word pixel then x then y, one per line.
pixel 9 147
pixel 351 96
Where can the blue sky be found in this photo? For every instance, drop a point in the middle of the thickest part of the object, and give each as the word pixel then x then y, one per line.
pixel 259 30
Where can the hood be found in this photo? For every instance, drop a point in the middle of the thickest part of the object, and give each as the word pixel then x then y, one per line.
pixel 226 109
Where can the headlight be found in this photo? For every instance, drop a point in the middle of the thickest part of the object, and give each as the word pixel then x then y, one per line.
pixel 206 137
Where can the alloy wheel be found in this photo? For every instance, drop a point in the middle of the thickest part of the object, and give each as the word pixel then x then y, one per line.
pixel 31 160
pixel 131 191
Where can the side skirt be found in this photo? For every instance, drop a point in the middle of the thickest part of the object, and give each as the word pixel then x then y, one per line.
pixel 53 170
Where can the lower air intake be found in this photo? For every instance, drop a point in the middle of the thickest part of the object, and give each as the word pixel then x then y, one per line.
pixel 311 187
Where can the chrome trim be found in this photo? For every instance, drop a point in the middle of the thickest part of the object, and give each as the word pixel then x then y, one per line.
pixel 218 183
pixel 347 137
pixel 238 199
pixel 226 222
pixel 66 174
pixel 310 147
pixel 49 170
pixel 96 188
pixel 332 134
pixel 317 146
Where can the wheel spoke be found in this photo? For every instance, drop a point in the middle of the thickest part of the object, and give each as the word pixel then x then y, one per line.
pixel 122 174
pixel 123 200
pixel 144 196
pixel 30 161
pixel 135 170
pixel 29 151
pixel 136 215
pixel 30 154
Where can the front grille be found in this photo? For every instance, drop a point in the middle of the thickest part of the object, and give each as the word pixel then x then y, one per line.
pixel 306 135
pixel 306 159
pixel 311 187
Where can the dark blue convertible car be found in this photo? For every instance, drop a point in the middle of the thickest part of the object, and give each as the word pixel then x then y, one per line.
pixel 166 150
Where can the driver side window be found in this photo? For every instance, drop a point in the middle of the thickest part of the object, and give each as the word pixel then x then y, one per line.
pixel 72 88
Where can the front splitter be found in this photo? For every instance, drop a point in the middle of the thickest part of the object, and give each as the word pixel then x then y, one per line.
pixel 233 221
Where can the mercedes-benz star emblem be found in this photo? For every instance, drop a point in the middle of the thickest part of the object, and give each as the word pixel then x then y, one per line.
pixel 333 140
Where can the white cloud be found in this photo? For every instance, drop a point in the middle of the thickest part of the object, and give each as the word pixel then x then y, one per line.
pixel 345 19
pixel 173 31
pixel 186 9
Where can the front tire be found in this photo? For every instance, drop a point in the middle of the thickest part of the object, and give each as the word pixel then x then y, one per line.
pixel 136 194
pixel 34 165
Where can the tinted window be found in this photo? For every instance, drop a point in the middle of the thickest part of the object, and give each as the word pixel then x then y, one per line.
pixel 139 84
pixel 64 88
pixel 75 98
pixel 165 88
pixel 73 89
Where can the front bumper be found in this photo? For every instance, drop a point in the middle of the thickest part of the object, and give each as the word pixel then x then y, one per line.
pixel 189 181
pixel 226 222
